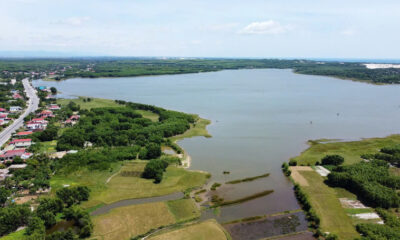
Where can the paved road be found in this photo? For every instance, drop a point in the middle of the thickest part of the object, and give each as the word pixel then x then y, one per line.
pixel 33 104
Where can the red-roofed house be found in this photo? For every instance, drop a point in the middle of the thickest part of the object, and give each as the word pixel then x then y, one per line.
pixel 38 120
pixel 74 117
pixel 21 143
pixel 54 107
pixel 3 110
pixel 26 133
pixel 37 124
pixel 72 120
pixel 11 154
pixel 46 113
pixel 17 96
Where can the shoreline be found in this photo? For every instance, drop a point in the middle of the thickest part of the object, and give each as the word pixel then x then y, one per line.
pixel 177 73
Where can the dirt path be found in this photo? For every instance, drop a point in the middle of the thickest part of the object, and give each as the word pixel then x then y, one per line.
pixel 297 177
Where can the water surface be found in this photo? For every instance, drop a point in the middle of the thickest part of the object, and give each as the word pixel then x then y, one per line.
pixel 260 118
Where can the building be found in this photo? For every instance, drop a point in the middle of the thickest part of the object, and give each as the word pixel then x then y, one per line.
pixel 46 113
pixel 72 120
pixel 4 173
pixel 9 155
pixel 21 143
pixel 17 96
pixel 15 108
pixel 26 133
pixel 3 115
pixel 54 107
pixel 3 110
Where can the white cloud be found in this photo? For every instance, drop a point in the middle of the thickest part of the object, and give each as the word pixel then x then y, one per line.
pixel 74 21
pixel 266 27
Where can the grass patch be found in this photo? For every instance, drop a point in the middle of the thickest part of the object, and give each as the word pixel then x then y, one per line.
pixel 94 103
pixel 122 187
pixel 358 210
pixel 15 235
pixel 325 202
pixel 183 209
pixel 215 186
pixel 209 230
pixel 351 151
pixel 343 193
pixel 48 147
pixel 150 115
pixel 127 222
pixel 245 199
pixel 249 179
pixel 199 128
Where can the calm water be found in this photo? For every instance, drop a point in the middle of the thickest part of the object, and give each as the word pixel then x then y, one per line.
pixel 260 118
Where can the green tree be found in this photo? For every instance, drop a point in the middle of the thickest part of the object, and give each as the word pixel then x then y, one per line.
pixel 332 160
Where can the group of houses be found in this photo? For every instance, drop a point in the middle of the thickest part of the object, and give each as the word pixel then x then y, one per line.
pixel 4 114
pixel 18 146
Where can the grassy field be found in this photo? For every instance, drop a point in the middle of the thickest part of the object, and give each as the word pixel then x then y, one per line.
pixel 325 201
pixel 14 236
pixel 183 209
pixel 120 186
pixel 150 115
pixel 126 222
pixel 99 102
pixel 48 147
pixel 351 151
pixel 95 180
pixel 197 129
pixel 207 230
pixel 94 103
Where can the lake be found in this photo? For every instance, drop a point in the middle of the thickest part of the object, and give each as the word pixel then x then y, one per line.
pixel 260 118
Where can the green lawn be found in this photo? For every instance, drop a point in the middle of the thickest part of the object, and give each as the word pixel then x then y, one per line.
pixel 207 230
pixel 122 187
pixel 48 147
pixel 351 151
pixel 95 180
pixel 183 209
pixel 199 128
pixel 126 222
pixel 150 115
pixel 325 201
pixel 14 236
pixel 94 103
pixel 99 102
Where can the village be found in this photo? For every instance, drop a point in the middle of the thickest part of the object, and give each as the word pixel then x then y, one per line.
pixel 23 143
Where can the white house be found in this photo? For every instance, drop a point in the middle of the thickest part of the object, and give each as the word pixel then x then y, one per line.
pixel 21 143
pixel 15 108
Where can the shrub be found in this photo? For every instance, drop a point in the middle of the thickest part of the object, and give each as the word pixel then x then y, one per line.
pixel 332 160
pixel 292 163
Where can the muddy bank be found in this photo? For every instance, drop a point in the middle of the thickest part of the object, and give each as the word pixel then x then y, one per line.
pixel 268 227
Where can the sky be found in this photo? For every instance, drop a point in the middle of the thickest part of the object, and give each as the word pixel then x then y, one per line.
pixel 204 28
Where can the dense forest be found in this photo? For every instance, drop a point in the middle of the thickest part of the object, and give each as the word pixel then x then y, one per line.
pixel 120 133
pixel 124 67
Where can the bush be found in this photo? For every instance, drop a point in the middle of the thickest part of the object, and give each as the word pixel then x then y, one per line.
pixel 332 160
pixel 292 163
pixel 285 169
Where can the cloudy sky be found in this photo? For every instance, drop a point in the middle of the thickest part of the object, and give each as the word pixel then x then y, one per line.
pixel 232 28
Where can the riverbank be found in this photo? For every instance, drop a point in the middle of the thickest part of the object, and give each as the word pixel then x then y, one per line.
pixel 351 150
pixel 331 204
